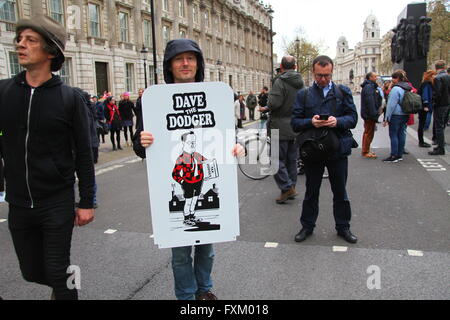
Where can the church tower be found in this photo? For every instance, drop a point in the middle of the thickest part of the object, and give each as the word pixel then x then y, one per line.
pixel 371 28
pixel 342 46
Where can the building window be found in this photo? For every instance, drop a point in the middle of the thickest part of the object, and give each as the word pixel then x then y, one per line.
pixel 66 72
pixel 129 77
pixel 166 34
pixel 151 75
pixel 14 65
pixel 94 20
pixel 8 10
pixel 207 19
pixel 182 33
pixel 123 23
pixel 147 29
pixel 165 5
pixel 181 10
pixel 373 34
pixel 208 48
pixel 195 15
pixel 56 8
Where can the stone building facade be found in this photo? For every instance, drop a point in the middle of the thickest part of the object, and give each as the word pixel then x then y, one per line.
pixel 352 65
pixel 106 38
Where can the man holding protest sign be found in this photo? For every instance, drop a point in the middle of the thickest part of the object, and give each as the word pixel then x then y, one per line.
pixel 184 63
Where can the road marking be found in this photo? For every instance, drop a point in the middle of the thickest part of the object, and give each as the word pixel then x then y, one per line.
pixel 431 165
pixel 152 236
pixel 134 160
pixel 271 245
pixel 339 249
pixel 102 171
pixel 415 253
pixel 3 220
pixel 110 231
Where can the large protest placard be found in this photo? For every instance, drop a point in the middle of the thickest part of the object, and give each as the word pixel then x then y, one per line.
pixel 192 177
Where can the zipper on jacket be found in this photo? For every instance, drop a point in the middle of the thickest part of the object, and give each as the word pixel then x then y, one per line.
pixel 26 149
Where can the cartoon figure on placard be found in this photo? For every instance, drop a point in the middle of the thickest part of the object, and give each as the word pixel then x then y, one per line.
pixel 189 172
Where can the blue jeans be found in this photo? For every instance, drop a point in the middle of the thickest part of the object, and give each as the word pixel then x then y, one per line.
pixel 191 280
pixel 286 176
pixel 397 134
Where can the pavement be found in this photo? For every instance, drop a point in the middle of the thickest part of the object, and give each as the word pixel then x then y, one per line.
pixel 400 213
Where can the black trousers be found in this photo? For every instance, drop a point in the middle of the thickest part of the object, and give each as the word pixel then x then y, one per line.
pixel 42 240
pixel 2 171
pixel 338 172
pixel 440 116
pixel 422 120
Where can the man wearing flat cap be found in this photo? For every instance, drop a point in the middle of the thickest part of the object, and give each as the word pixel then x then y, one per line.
pixel 45 142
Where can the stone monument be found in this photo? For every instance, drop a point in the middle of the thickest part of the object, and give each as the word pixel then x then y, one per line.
pixel 410 43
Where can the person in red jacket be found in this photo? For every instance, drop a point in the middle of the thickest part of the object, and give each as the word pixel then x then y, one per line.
pixel 114 120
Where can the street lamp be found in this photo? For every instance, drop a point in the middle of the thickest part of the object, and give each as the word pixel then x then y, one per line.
pixel 144 52
pixel 270 11
pixel 155 65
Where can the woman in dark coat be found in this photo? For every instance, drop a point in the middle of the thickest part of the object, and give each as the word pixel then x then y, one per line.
pixel 126 108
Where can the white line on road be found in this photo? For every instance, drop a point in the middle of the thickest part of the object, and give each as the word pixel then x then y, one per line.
pixel 110 231
pixel 415 253
pixel 134 160
pixel 152 236
pixel 2 220
pixel 101 171
pixel 339 249
pixel 271 245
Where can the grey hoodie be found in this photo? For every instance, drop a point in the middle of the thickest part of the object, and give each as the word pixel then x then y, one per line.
pixel 281 101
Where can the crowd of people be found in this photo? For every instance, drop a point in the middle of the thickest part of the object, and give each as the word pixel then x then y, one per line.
pixel 44 156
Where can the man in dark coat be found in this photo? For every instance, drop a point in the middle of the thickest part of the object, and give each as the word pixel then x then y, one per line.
pixel 325 97
pixel 281 100
pixel 371 101
pixel 441 106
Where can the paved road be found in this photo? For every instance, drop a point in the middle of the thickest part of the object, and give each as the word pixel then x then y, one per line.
pixel 400 214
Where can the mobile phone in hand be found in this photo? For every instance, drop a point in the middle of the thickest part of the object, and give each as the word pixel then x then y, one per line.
pixel 323 117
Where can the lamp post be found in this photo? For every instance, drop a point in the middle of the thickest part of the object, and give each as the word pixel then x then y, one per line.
pixel 155 65
pixel 270 11
pixel 144 52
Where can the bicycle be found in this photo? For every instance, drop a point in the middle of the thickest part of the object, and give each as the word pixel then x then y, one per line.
pixel 255 165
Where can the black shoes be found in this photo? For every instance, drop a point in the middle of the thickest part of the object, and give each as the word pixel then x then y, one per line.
pixel 391 159
pixel 424 145
pixel 347 236
pixel 436 152
pixel 303 234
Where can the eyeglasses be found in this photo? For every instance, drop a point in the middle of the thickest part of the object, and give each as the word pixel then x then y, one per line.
pixel 319 76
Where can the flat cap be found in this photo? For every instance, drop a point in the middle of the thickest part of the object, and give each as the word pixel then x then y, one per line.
pixel 48 28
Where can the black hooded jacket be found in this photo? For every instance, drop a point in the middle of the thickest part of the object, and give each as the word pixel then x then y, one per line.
pixel 45 141
pixel 173 48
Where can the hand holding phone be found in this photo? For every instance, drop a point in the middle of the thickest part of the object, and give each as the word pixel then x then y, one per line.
pixel 323 117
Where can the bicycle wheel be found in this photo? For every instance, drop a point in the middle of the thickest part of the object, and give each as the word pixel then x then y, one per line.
pixel 256 162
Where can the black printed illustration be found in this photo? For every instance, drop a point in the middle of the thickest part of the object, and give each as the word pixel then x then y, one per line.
pixel 190 171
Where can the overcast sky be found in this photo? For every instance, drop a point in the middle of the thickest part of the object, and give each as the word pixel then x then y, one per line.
pixel 326 20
